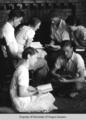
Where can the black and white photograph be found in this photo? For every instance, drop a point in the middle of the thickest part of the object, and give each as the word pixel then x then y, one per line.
pixel 43 58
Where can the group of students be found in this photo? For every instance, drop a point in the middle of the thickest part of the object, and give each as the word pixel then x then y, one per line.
pixel 18 56
pixel 68 69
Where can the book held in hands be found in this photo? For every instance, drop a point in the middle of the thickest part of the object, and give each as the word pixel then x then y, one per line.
pixel 44 88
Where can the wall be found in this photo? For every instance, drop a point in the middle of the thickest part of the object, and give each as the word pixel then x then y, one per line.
pixel 43 8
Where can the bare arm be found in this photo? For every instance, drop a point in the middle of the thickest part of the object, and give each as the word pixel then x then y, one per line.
pixel 79 79
pixel 25 92
pixel 55 74
pixel 28 42
pixel 53 45
pixel 13 49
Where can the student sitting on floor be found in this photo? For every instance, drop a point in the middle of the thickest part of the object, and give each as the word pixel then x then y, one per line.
pixel 26 98
pixel 72 74
pixel 59 33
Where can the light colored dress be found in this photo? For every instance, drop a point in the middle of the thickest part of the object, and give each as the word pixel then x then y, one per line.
pixel 34 103
pixel 24 38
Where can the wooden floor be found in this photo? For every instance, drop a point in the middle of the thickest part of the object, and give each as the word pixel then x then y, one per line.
pixel 64 104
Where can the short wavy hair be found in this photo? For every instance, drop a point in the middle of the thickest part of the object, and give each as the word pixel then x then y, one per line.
pixel 15 13
pixel 34 21
pixel 29 50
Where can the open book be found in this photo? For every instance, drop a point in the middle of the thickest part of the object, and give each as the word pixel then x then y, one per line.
pixel 36 45
pixel 44 88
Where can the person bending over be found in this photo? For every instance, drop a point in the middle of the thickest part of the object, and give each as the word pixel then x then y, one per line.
pixel 72 69
pixel 25 36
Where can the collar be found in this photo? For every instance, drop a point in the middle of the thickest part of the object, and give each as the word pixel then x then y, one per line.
pixel 8 23
pixel 73 56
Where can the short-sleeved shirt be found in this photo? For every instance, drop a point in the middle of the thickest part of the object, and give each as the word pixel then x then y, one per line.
pixel 8 33
pixel 61 34
pixel 73 66
pixel 20 77
pixel 29 103
pixel 24 36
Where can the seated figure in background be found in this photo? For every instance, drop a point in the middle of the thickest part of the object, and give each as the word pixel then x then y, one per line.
pixel 26 98
pixel 59 33
pixel 72 74
pixel 78 31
